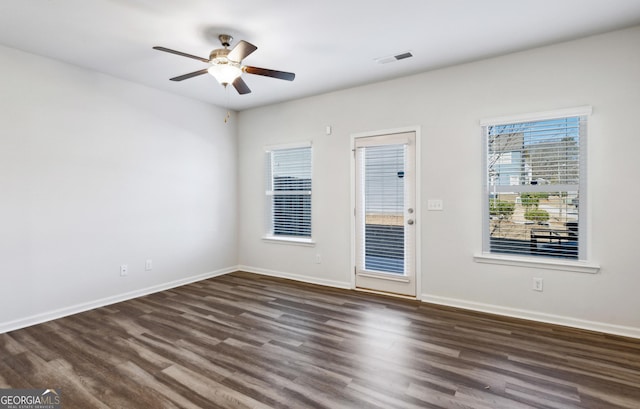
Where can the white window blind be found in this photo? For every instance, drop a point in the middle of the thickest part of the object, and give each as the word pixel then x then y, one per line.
pixel 535 187
pixel 381 211
pixel 288 192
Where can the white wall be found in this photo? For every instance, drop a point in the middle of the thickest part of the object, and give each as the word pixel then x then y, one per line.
pixel 96 172
pixel 602 71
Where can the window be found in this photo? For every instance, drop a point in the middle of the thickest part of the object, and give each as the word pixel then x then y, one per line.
pixel 535 185
pixel 288 192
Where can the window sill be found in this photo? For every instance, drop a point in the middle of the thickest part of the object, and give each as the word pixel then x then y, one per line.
pixel 563 265
pixel 296 241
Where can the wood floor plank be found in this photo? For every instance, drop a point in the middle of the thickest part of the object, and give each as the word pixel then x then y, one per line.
pixel 249 341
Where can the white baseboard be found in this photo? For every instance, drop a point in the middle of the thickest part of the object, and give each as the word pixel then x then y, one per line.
pixel 451 302
pixel 74 309
pixel 296 277
pixel 534 316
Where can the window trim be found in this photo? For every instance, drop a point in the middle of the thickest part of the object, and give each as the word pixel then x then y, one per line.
pixel 585 110
pixel 544 263
pixel 283 239
pixel 298 241
pixel 584 265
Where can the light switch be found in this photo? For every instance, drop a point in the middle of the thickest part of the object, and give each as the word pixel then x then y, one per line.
pixel 435 205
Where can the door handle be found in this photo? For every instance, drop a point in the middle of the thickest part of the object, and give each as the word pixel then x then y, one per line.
pixel 410 222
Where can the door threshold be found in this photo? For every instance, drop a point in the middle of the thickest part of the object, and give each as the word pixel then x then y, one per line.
pixel 388 294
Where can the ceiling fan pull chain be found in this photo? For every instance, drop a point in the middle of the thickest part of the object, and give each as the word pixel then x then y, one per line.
pixel 226 104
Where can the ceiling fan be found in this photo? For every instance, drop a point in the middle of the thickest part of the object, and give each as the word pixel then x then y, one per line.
pixel 225 65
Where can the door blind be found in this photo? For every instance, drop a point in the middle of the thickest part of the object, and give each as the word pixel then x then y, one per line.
pixel 382 208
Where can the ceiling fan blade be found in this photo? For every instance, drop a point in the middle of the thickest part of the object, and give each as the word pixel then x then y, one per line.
pixel 282 75
pixel 168 50
pixel 241 86
pixel 190 75
pixel 241 51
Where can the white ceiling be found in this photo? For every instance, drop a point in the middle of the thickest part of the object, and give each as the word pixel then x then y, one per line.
pixel 329 44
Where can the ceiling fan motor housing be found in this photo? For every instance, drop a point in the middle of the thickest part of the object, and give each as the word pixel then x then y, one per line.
pixel 219 56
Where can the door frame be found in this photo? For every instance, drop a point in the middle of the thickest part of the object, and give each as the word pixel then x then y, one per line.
pixel 418 200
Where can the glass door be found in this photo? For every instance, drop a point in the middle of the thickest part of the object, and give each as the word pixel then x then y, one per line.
pixel 385 216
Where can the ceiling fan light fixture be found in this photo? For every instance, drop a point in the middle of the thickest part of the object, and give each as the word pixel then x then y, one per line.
pixel 225 72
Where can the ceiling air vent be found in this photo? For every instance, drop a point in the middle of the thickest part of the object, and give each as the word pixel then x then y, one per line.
pixel 393 58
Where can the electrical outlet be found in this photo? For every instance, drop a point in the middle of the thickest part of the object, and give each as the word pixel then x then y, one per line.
pixel 537 284
pixel 318 259
pixel 124 270
pixel 148 265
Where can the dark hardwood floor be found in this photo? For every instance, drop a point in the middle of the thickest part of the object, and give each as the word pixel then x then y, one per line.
pixel 248 341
